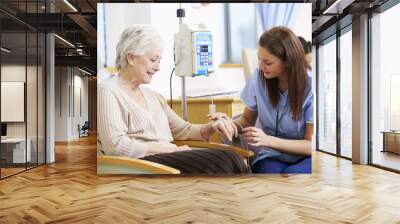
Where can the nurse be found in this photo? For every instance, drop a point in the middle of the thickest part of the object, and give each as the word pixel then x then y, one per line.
pixel 279 97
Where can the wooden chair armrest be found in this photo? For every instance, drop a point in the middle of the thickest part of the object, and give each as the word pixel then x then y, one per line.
pixel 212 145
pixel 127 165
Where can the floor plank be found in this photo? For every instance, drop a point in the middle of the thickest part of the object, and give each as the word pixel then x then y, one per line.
pixel 69 191
pixel 386 159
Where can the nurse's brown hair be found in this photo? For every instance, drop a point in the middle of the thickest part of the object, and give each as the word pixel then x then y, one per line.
pixel 284 44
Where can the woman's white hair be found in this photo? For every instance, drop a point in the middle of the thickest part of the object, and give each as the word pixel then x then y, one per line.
pixel 137 40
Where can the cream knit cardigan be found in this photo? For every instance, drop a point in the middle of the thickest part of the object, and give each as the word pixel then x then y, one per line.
pixel 125 128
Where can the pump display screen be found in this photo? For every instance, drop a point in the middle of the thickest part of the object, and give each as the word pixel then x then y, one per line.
pixel 204 55
pixel 204 48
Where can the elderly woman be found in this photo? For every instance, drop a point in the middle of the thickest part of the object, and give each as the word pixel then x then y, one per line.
pixel 135 121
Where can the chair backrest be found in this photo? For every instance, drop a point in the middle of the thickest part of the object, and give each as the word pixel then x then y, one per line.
pixel 250 62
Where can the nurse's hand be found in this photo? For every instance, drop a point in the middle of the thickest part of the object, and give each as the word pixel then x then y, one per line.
pixel 256 137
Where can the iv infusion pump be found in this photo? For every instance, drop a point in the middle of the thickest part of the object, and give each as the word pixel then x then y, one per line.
pixel 193 50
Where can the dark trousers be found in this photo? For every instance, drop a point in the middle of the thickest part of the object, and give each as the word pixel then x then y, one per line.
pixel 275 166
pixel 202 161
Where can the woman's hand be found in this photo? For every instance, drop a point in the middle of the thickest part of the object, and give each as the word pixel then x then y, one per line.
pixel 216 116
pixel 256 137
pixel 225 127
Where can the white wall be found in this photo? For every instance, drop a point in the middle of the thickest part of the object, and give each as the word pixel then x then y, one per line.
pixel 303 23
pixel 80 83
pixel 121 16
pixel 14 73
pixel 163 18
pixel 61 103
pixel 67 116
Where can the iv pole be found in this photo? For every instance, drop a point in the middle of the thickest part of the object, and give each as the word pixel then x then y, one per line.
pixel 181 13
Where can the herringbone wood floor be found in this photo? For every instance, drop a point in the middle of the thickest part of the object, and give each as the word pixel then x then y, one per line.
pixel 69 191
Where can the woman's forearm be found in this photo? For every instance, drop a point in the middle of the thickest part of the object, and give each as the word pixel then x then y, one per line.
pixel 300 147
pixel 160 147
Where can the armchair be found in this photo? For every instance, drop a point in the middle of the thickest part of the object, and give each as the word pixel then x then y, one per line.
pixel 124 165
pixel 250 62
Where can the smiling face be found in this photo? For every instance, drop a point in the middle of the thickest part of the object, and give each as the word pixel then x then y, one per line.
pixel 270 65
pixel 145 66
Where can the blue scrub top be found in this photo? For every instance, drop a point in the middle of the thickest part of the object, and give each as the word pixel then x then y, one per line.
pixel 255 97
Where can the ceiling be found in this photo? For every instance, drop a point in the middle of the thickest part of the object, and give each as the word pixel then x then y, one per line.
pixel 76 23
pixel 332 15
